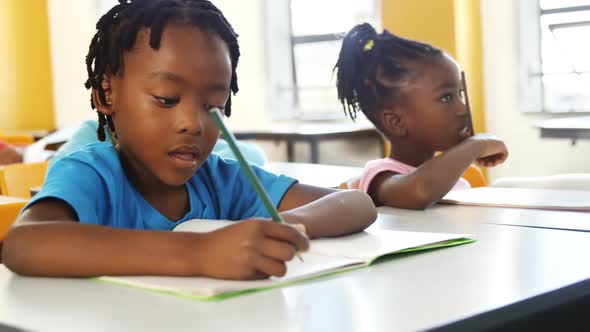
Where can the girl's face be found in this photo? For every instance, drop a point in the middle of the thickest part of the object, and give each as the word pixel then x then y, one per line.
pixel 160 104
pixel 433 107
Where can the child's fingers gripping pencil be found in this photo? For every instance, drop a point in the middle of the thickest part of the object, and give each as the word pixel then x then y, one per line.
pixel 231 140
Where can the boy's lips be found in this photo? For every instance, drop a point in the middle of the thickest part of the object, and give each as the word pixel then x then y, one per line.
pixel 185 156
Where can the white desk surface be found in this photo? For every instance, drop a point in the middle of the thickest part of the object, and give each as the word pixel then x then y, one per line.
pixel 575 122
pixel 487 279
pixel 463 215
pixel 315 174
pixel 332 176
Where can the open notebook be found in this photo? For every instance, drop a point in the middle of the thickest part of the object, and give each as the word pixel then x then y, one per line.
pixel 326 257
pixel 529 198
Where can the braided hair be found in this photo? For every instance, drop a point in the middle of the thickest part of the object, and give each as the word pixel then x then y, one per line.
pixel 372 67
pixel 117 31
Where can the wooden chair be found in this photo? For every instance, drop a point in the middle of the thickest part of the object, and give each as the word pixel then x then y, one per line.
pixel 16 180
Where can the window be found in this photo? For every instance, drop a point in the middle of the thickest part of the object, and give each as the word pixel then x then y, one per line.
pixel 105 5
pixel 555 53
pixel 304 42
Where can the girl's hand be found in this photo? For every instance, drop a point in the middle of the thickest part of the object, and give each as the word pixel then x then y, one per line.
pixel 493 151
pixel 253 249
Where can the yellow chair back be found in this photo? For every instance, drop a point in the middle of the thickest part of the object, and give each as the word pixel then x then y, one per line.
pixel 9 210
pixel 475 177
pixel 20 140
pixel 16 180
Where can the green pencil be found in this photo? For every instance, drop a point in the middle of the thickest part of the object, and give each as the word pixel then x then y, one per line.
pixel 231 140
pixel 467 105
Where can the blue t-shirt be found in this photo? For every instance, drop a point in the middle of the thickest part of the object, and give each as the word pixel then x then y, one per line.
pixel 93 183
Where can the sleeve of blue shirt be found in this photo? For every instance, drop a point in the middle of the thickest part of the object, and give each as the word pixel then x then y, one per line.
pixel 237 198
pixel 76 183
pixel 275 185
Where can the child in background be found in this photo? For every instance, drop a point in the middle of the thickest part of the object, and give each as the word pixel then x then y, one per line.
pixel 9 154
pixel 155 68
pixel 412 92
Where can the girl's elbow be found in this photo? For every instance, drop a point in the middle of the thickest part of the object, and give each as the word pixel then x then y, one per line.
pixel 422 201
pixel 420 198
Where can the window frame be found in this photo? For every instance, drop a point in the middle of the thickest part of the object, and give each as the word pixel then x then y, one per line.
pixel 532 88
pixel 282 71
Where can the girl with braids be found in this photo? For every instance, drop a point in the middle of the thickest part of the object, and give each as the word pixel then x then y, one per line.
pixel 155 67
pixel 412 92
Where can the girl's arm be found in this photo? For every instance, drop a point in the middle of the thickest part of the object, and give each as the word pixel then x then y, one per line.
pixel 327 212
pixel 48 241
pixel 433 179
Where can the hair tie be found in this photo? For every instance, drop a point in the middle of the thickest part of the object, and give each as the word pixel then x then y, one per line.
pixel 368 45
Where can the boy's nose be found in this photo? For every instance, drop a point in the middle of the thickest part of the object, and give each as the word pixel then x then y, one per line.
pixel 191 121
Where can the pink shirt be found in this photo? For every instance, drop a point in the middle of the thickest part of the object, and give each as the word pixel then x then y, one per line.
pixel 375 167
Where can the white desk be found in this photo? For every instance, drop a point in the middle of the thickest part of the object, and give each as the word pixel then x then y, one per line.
pixel 575 128
pixel 332 176
pixel 313 134
pixel 509 272
pixel 463 216
pixel 314 174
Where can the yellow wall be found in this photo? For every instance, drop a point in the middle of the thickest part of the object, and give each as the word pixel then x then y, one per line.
pixel 453 25
pixel 470 55
pixel 26 101
pixel 425 20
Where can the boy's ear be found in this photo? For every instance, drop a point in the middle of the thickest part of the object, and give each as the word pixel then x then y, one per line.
pixel 394 122
pixel 104 108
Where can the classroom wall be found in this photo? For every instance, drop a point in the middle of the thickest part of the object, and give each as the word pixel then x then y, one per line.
pixel 26 100
pixel 408 19
pixel 529 154
pixel 469 51
pixel 253 101
pixel 71 29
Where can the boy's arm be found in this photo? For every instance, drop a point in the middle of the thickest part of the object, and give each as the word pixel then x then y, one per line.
pixel 327 212
pixel 41 246
pixel 48 240
pixel 436 177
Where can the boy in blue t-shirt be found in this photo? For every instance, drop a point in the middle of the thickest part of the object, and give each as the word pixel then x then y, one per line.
pixel 155 68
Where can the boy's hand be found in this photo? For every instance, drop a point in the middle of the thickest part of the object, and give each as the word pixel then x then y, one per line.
pixel 253 249
pixel 493 151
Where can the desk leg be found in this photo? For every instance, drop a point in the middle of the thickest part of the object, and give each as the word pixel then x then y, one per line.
pixel 315 158
pixel 290 151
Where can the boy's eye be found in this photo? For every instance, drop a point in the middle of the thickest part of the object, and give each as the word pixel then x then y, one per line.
pixel 209 106
pixel 447 98
pixel 166 101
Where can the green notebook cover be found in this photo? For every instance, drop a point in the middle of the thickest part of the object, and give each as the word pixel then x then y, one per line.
pixel 326 257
